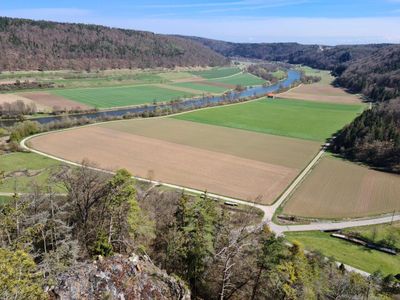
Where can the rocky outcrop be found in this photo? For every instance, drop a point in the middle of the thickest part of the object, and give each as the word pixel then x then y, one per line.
pixel 118 277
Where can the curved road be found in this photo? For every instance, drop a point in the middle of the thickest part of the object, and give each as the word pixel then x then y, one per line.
pixel 269 210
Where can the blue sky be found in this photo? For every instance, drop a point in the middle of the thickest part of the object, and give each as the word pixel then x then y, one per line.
pixel 305 21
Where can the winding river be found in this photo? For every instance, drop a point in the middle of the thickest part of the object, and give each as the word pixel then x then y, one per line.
pixel 194 102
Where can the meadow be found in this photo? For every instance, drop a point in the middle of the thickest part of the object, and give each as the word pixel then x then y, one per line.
pixel 354 255
pixel 38 166
pixel 292 118
pixel 121 96
pixel 243 79
pixel 202 87
pixel 362 192
pixel 216 72
pixel 378 233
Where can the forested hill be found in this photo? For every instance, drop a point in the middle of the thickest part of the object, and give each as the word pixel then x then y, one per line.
pixel 376 76
pixel 30 45
pixel 335 58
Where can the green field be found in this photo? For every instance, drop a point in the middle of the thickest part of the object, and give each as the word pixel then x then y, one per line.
pixel 379 233
pixel 25 161
pixel 244 79
pixel 216 72
pixel 121 96
pixel 201 87
pixel 326 76
pixel 293 118
pixel 350 254
pixel 280 74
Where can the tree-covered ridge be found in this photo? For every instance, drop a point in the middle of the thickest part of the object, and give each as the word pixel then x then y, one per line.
pixel 377 76
pixel 29 45
pixel 316 56
pixel 373 138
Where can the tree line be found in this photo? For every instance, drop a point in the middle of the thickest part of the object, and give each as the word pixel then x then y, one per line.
pixel 41 45
pixel 220 253
pixel 373 137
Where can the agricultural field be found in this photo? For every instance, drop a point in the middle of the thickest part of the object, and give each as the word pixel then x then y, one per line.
pixel 347 253
pixel 242 164
pixel 362 192
pixel 243 79
pixel 50 101
pixel 322 91
pixel 21 169
pixel 108 89
pixel 10 98
pixel 201 86
pixel 216 72
pixel 121 96
pixel 292 118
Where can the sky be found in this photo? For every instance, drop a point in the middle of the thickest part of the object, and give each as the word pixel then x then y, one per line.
pixel 328 22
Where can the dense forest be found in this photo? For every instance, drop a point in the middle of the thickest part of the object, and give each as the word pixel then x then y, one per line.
pixel 42 45
pixel 49 242
pixel 373 137
pixel 377 76
pixel 335 58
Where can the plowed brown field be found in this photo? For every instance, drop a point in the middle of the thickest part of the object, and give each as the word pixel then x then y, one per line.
pixel 50 100
pixel 340 189
pixel 321 92
pixel 201 169
pixel 225 161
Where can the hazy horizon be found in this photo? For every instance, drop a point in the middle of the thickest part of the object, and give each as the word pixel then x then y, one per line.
pixel 303 21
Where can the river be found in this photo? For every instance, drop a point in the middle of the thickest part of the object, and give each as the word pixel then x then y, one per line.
pixel 195 102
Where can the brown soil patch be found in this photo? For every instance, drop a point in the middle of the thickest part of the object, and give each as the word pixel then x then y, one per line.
pixel 10 98
pixel 288 152
pixel 201 169
pixel 340 189
pixel 51 101
pixel 322 93
pixel 219 84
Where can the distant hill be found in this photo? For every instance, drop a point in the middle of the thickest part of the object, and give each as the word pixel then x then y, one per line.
pixel 30 45
pixel 377 75
pixel 335 58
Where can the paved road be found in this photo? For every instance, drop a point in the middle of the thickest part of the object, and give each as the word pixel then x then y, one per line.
pixel 269 210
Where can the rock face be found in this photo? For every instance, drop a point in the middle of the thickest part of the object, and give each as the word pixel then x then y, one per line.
pixel 121 278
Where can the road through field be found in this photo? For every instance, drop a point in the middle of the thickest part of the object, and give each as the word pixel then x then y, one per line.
pixel 269 210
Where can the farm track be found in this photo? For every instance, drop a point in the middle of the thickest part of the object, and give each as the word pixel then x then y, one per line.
pixel 269 210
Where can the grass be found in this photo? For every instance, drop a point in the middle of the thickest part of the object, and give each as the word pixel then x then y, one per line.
pixel 4 199
pixel 279 74
pixel 244 79
pixel 292 118
pixel 350 254
pixel 121 96
pixel 25 161
pixel 377 233
pixel 201 87
pixel 326 77
pixel 216 72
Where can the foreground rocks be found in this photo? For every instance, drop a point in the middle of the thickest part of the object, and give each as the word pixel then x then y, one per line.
pixel 118 277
